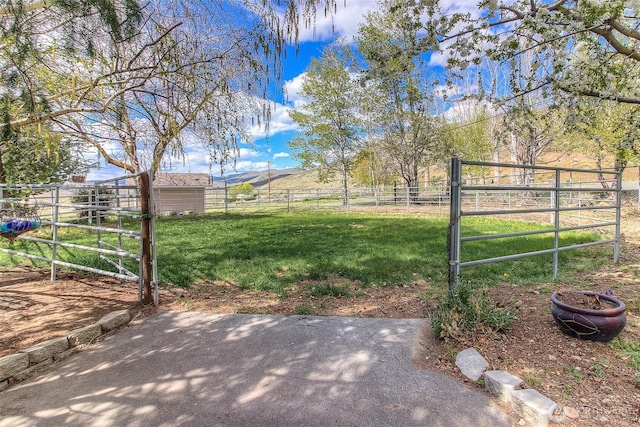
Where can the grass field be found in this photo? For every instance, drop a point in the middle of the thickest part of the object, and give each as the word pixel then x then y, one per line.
pixel 271 252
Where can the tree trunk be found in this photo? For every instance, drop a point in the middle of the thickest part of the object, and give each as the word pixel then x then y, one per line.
pixel 345 185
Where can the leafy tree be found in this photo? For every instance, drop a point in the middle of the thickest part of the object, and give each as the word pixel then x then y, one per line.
pixel 408 128
pixel 371 168
pixel 38 155
pixel 190 69
pixel 529 132
pixel 208 74
pixel 603 129
pixel 330 123
pixel 244 188
pixel 44 46
pixel 471 135
pixel 586 47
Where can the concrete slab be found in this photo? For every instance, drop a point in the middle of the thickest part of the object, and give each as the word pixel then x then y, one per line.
pixel 195 369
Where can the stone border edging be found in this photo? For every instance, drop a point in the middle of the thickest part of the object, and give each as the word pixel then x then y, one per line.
pixel 20 366
pixel 532 407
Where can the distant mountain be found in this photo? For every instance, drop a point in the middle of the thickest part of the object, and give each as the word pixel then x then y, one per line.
pixel 255 178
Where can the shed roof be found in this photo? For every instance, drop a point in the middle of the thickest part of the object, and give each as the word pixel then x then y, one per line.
pixel 181 179
pixel 178 180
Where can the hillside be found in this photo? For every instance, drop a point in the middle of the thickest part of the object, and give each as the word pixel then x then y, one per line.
pixel 304 180
pixel 296 179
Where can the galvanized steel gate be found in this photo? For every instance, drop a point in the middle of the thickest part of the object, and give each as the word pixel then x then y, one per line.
pixel 100 209
pixel 575 199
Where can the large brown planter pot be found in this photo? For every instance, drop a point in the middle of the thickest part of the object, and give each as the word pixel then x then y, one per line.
pixel 589 324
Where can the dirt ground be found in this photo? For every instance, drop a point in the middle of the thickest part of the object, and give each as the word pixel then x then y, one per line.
pixel 595 379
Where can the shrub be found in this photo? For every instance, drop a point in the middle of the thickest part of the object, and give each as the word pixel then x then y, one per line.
pixel 468 309
pixel 241 191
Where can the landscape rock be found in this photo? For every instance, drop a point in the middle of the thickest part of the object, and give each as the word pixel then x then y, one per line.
pixel 471 363
pixel 65 354
pixel 501 384
pixel 535 408
pixel 12 364
pixel 570 412
pixel 114 320
pixel 84 335
pixel 46 349
pixel 23 375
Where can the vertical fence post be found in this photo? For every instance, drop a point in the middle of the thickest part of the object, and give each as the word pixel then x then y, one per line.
pixel 118 212
pixel 453 240
pixel 145 236
pixel 89 204
pixel 556 224
pixel 258 199
pixel 154 256
pixel 226 198
pixel 98 219
pixel 52 195
pixel 318 199
pixel 54 239
pixel 580 205
pixel 288 201
pixel 616 246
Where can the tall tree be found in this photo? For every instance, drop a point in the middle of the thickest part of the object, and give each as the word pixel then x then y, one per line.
pixel 471 134
pixel 529 131
pixel 410 130
pixel 192 69
pixel 602 130
pixel 38 155
pixel 41 46
pixel 372 168
pixel 578 47
pixel 205 86
pixel 330 122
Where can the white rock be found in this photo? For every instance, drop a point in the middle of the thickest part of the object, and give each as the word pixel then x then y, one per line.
pixel 471 363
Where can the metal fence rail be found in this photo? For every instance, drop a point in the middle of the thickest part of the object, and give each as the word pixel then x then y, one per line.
pixel 107 212
pixel 401 199
pixel 566 204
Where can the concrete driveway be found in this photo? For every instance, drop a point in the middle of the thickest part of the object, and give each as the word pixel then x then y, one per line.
pixel 195 369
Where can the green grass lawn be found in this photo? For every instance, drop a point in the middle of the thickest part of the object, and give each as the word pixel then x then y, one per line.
pixel 271 252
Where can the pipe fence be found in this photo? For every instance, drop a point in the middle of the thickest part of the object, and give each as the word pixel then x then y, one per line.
pixel 104 216
pixel 399 199
pixel 549 195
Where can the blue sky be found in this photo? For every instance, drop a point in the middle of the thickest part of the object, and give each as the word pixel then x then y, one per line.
pixel 271 150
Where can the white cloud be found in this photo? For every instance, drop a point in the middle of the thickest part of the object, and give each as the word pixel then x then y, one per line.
pixel 246 165
pixel 344 23
pixel 280 155
pixel 247 153
pixel 293 88
pixel 280 122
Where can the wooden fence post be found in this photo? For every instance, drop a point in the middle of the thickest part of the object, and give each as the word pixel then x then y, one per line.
pixel 145 235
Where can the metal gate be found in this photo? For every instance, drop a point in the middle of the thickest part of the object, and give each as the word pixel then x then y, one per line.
pixel 572 199
pixel 108 214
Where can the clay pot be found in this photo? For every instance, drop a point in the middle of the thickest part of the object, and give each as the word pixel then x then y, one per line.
pixel 587 323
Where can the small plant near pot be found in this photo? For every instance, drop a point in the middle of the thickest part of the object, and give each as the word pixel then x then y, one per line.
pixel 588 315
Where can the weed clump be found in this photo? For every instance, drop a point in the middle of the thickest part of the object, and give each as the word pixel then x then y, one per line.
pixel 468 310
